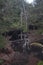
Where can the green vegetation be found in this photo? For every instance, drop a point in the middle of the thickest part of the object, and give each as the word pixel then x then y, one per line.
pixel 10 14
pixel 2 41
pixel 1 61
pixel 40 63
pixel 10 11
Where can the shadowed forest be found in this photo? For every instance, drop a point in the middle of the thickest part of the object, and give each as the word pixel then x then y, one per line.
pixel 21 32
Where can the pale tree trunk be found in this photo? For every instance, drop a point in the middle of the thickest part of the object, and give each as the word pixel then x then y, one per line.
pixel 21 21
pixel 25 13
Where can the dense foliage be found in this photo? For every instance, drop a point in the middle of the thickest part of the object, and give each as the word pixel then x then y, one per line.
pixel 10 11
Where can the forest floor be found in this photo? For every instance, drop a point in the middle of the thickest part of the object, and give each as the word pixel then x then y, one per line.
pixel 20 58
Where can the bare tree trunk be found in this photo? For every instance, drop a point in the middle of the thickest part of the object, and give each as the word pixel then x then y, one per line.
pixel 25 14
pixel 21 22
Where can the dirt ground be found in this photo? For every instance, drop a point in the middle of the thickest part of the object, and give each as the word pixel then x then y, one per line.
pixel 20 58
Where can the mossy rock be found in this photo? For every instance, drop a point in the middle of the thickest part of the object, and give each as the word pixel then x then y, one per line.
pixel 37 44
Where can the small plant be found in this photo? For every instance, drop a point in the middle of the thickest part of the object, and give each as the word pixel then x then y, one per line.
pixel 40 63
pixel 2 41
pixel 1 61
